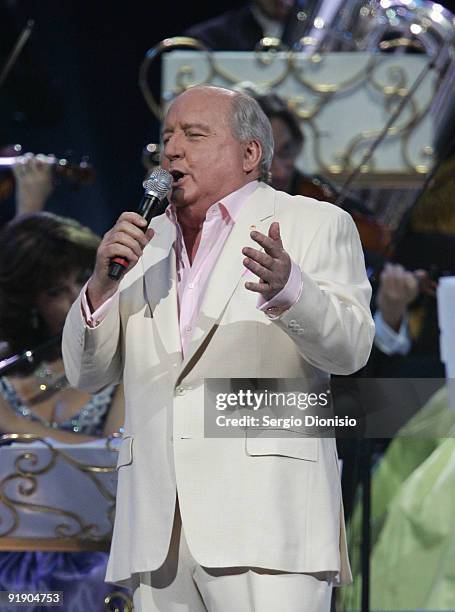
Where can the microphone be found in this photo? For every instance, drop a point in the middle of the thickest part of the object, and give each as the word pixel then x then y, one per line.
pixel 156 189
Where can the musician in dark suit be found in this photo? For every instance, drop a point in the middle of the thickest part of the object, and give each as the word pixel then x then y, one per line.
pixel 242 28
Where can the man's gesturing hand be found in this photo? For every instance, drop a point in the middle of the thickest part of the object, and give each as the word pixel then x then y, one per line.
pixel 272 266
pixel 126 239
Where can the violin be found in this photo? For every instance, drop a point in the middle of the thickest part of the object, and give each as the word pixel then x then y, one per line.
pixel 81 173
pixel 374 236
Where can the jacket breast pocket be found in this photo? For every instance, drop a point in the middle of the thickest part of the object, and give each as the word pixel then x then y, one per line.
pixel 285 443
pixel 125 454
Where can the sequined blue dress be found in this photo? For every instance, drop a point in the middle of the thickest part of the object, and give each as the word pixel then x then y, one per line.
pixel 80 575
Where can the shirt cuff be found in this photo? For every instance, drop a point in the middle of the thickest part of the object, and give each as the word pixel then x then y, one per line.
pixel 388 340
pixel 93 319
pixel 286 298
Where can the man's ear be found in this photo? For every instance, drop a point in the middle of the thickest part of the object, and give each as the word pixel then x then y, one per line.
pixel 252 154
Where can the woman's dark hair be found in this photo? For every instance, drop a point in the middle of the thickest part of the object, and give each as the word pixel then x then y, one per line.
pixel 36 252
pixel 275 107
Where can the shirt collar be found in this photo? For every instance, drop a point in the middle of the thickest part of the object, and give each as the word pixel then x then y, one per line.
pixel 235 200
pixel 228 207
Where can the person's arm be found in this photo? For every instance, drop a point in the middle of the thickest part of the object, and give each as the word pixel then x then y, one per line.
pixel 12 423
pixel 331 322
pixel 34 182
pixel 388 340
pixel 398 288
pixel 91 354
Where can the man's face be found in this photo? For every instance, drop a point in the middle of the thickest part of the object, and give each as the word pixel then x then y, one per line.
pixel 200 150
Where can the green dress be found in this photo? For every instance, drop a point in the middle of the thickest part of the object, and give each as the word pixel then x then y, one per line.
pixel 413 518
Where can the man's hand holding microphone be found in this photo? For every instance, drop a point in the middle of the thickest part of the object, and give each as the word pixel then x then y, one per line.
pixel 122 246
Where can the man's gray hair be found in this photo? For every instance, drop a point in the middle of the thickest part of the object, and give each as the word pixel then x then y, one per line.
pixel 249 122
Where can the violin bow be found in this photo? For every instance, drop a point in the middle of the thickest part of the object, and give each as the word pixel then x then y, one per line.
pixel 16 51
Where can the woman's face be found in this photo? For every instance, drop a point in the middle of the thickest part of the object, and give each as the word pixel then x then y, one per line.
pixel 54 303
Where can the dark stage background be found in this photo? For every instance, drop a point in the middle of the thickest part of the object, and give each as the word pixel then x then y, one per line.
pixel 75 88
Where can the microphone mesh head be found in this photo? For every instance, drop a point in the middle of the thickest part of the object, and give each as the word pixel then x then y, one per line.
pixel 158 183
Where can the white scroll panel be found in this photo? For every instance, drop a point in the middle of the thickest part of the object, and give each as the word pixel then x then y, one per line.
pixel 370 89
pixel 41 490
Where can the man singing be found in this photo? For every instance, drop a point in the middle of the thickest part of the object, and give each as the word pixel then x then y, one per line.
pixel 235 280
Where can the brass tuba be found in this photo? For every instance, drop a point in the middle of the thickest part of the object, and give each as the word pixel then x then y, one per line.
pixel 359 25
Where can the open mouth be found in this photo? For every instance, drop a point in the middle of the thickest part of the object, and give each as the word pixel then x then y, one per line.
pixel 177 177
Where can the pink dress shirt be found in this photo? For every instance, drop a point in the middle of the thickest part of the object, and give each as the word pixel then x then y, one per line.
pixel 192 279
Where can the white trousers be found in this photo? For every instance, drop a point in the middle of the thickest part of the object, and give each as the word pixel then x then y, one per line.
pixel 182 585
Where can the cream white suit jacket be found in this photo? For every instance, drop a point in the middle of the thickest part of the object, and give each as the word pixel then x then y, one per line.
pixel 262 502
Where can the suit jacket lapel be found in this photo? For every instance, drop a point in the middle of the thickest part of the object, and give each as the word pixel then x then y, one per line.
pixel 229 268
pixel 160 284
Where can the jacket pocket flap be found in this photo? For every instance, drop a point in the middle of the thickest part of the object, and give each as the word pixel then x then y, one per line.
pixel 125 454
pixel 286 443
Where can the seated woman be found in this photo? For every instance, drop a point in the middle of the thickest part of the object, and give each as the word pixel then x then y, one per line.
pixel 412 525
pixel 44 262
